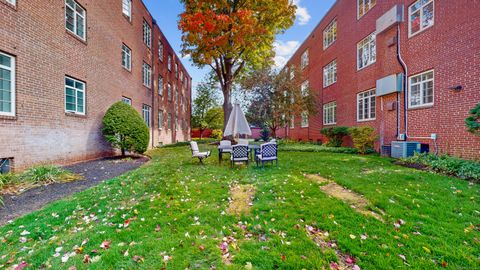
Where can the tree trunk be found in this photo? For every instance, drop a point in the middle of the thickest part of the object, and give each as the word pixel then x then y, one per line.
pixel 227 104
pixel 123 151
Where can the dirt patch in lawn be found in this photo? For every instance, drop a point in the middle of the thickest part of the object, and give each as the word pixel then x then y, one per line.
pixel 241 197
pixel 356 201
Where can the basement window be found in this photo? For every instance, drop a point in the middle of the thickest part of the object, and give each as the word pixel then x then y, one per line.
pixel 6 165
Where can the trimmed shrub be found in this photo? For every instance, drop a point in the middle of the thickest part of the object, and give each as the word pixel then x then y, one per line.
pixel 473 121
pixel 125 129
pixel 363 138
pixel 335 135
pixel 465 169
pixel 217 134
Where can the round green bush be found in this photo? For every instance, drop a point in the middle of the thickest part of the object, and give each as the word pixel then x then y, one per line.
pixel 473 121
pixel 125 129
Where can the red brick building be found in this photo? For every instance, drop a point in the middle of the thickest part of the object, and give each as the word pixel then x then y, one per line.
pixel 64 62
pixel 350 60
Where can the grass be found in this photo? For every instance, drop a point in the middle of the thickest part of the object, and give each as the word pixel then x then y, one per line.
pixel 172 213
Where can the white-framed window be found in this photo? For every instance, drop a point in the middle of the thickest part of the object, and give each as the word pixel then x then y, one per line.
pixel 169 121
pixel 330 113
pixel 160 85
pixel 127 101
pixel 169 64
pixel 292 72
pixel 126 57
pixel 366 105
pixel 366 51
pixel 421 89
pixel 292 122
pixel 176 95
pixel 74 96
pixel 7 85
pixel 304 123
pixel 169 92
pixel 176 70
pixel 330 74
pixel 363 6
pixel 127 8
pixel 304 60
pixel 160 51
pixel 304 88
pixel 146 111
pixel 147 34
pixel 330 34
pixel 147 75
pixel 160 119
pixel 75 18
pixel 176 123
pixel 420 16
pixel 13 2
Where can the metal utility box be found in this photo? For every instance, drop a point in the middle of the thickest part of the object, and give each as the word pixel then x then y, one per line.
pixel 391 18
pixel 390 84
pixel 405 149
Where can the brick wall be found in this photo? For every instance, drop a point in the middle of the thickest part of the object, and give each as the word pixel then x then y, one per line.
pixel 451 47
pixel 45 52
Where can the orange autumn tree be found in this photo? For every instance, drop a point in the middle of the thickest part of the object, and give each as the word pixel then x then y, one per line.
pixel 232 35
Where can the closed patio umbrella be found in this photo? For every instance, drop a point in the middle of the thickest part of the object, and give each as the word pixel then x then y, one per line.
pixel 237 123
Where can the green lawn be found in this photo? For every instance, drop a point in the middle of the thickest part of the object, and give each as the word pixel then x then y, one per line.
pixel 171 213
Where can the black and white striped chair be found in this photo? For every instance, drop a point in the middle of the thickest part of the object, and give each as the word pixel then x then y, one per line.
pixel 239 154
pixel 268 152
pixel 197 154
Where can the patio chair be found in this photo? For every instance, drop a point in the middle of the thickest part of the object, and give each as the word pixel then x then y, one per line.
pixel 197 154
pixel 226 146
pixel 268 152
pixel 243 141
pixel 239 154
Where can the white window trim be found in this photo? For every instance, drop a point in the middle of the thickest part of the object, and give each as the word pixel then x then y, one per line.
pixel 328 68
pixel 369 106
pixel 425 105
pixel 304 88
pixel 325 32
pixel 129 10
pixel 160 51
pixel 160 85
pixel 147 80
pixel 129 68
pixel 358 9
pixel 370 62
pixel 76 90
pixel 147 109
pixel 292 122
pixel 12 87
pixel 127 99
pixel 334 113
pixel 84 38
pixel 147 33
pixel 12 2
pixel 303 116
pixel 410 34
pixel 305 59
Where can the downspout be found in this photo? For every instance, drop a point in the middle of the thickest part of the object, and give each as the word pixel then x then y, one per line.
pixel 404 88
pixel 152 118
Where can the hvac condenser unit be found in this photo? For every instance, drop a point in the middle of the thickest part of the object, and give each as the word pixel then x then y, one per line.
pixel 405 149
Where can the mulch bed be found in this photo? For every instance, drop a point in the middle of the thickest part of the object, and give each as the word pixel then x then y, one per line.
pixel 94 172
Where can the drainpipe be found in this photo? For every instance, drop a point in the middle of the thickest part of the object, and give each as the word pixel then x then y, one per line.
pixel 405 92
pixel 152 118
